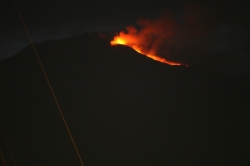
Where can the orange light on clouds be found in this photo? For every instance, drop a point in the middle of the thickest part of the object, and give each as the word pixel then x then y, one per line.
pixel 133 42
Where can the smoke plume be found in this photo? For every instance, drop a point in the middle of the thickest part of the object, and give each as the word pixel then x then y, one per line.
pixel 197 35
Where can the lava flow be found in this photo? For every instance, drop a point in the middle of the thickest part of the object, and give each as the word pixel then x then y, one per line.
pixel 134 43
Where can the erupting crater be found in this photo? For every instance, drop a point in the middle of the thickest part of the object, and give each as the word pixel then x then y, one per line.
pixel 132 42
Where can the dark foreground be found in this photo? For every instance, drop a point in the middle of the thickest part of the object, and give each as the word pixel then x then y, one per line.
pixel 122 108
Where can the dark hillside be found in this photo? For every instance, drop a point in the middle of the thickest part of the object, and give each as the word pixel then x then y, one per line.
pixel 122 108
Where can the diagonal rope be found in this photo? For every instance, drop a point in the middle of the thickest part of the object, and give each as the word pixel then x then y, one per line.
pixel 50 87
pixel 2 158
pixel 8 146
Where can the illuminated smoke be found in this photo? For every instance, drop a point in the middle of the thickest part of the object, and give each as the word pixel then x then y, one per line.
pixel 193 36
pixel 149 38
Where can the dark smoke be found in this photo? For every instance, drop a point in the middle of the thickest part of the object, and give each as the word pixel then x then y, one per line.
pixel 199 35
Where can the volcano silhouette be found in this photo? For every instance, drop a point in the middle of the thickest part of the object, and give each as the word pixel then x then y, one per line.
pixel 122 108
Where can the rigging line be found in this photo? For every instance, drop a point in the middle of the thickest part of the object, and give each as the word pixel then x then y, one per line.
pixel 2 158
pixel 8 146
pixel 50 87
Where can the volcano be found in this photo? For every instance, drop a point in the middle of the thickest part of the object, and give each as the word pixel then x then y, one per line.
pixel 122 108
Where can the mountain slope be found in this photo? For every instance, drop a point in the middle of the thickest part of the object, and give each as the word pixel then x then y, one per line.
pixel 122 108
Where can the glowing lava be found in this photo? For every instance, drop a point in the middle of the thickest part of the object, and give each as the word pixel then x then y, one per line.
pixel 133 43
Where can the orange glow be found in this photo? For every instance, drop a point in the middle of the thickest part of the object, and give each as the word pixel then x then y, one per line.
pixel 118 40
pixel 134 43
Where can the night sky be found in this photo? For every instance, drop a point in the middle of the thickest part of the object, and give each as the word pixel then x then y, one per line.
pixel 225 23
pixel 48 20
pixel 122 107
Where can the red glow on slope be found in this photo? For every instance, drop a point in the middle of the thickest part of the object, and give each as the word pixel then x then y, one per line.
pixel 133 40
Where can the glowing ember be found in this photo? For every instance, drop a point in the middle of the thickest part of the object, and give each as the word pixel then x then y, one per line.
pixel 133 42
pixel 118 40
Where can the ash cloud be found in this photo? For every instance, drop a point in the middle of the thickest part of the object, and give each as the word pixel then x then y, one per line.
pixel 199 35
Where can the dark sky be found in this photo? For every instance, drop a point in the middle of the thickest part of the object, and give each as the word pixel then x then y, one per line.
pixel 226 22
pixel 59 19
